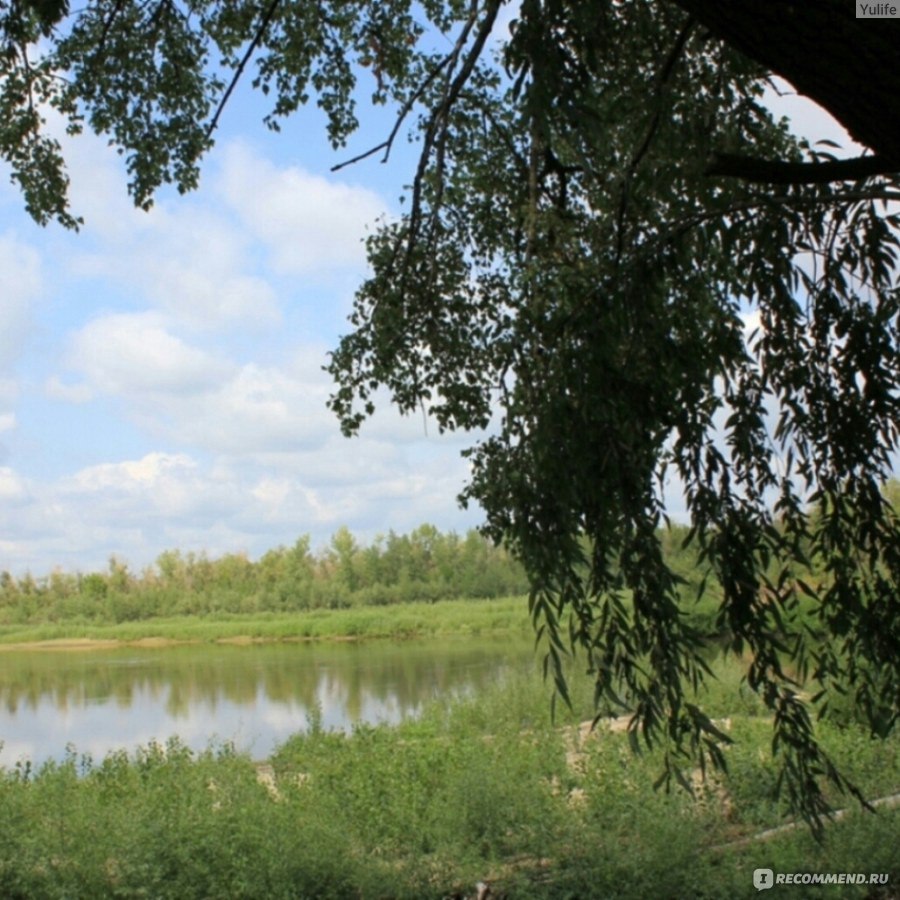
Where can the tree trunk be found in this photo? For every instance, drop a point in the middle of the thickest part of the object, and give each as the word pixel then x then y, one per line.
pixel 849 66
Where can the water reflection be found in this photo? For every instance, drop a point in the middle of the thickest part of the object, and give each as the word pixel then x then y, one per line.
pixel 255 696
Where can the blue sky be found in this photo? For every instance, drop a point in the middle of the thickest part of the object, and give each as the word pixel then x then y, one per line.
pixel 160 373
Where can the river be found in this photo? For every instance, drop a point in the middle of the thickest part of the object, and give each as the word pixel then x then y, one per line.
pixel 254 696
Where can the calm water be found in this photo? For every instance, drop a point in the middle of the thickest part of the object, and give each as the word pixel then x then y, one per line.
pixel 255 696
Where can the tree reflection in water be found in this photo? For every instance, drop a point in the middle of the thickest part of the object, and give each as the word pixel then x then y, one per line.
pixel 255 695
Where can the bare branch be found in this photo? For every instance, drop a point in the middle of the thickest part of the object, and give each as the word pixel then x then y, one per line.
pixel 776 171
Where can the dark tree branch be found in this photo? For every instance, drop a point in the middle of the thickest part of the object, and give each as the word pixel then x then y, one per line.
pixel 268 15
pixel 776 171
pixel 387 144
pixel 436 132
pixel 665 74
pixel 107 26
pixel 847 65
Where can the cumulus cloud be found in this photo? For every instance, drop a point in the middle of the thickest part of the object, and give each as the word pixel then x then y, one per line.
pixel 135 508
pixel 195 264
pixel 141 475
pixel 12 487
pixel 194 396
pixel 310 224
pixel 218 436
pixel 190 264
pixel 135 354
pixel 185 257
pixel 258 410
pixel 277 414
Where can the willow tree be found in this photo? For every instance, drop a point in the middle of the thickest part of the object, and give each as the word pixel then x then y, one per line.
pixel 613 252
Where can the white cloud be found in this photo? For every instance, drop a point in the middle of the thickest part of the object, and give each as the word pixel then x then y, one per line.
pixel 97 189
pixel 136 507
pixel 68 393
pixel 130 507
pixel 194 397
pixel 140 475
pixel 258 410
pixel 194 264
pixel 135 354
pixel 12 487
pixel 310 224
pixel 218 437
pixel 20 285
pixel 186 257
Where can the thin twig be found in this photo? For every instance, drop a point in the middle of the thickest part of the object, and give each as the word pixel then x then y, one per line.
pixel 431 130
pixel 107 26
pixel 387 144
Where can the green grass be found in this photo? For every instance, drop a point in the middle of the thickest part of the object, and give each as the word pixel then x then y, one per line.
pixel 482 788
pixel 444 617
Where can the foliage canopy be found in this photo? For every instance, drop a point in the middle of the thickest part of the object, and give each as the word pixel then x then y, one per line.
pixel 600 209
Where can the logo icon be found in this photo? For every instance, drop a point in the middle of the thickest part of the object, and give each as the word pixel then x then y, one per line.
pixel 763 879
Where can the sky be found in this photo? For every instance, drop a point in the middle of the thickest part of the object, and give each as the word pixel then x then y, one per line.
pixel 161 382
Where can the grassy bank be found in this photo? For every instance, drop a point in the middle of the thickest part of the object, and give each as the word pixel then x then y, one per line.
pixel 480 789
pixel 445 617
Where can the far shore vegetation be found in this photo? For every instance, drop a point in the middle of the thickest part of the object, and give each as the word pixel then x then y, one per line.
pixel 425 583
pixel 289 593
pixel 406 620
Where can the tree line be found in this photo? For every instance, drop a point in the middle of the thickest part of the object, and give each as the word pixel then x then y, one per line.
pixel 425 564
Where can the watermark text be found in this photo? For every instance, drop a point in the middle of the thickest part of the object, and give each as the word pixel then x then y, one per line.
pixel 888 10
pixel 764 879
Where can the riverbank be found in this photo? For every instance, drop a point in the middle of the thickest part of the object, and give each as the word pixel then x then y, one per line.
pixel 478 789
pixel 398 621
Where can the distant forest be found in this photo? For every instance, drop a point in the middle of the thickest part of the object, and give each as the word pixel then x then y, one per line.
pixel 423 565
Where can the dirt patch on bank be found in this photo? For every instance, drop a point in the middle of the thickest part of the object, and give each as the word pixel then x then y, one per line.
pixel 91 644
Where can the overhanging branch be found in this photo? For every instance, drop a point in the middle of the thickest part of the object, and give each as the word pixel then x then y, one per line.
pixel 265 21
pixel 776 171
